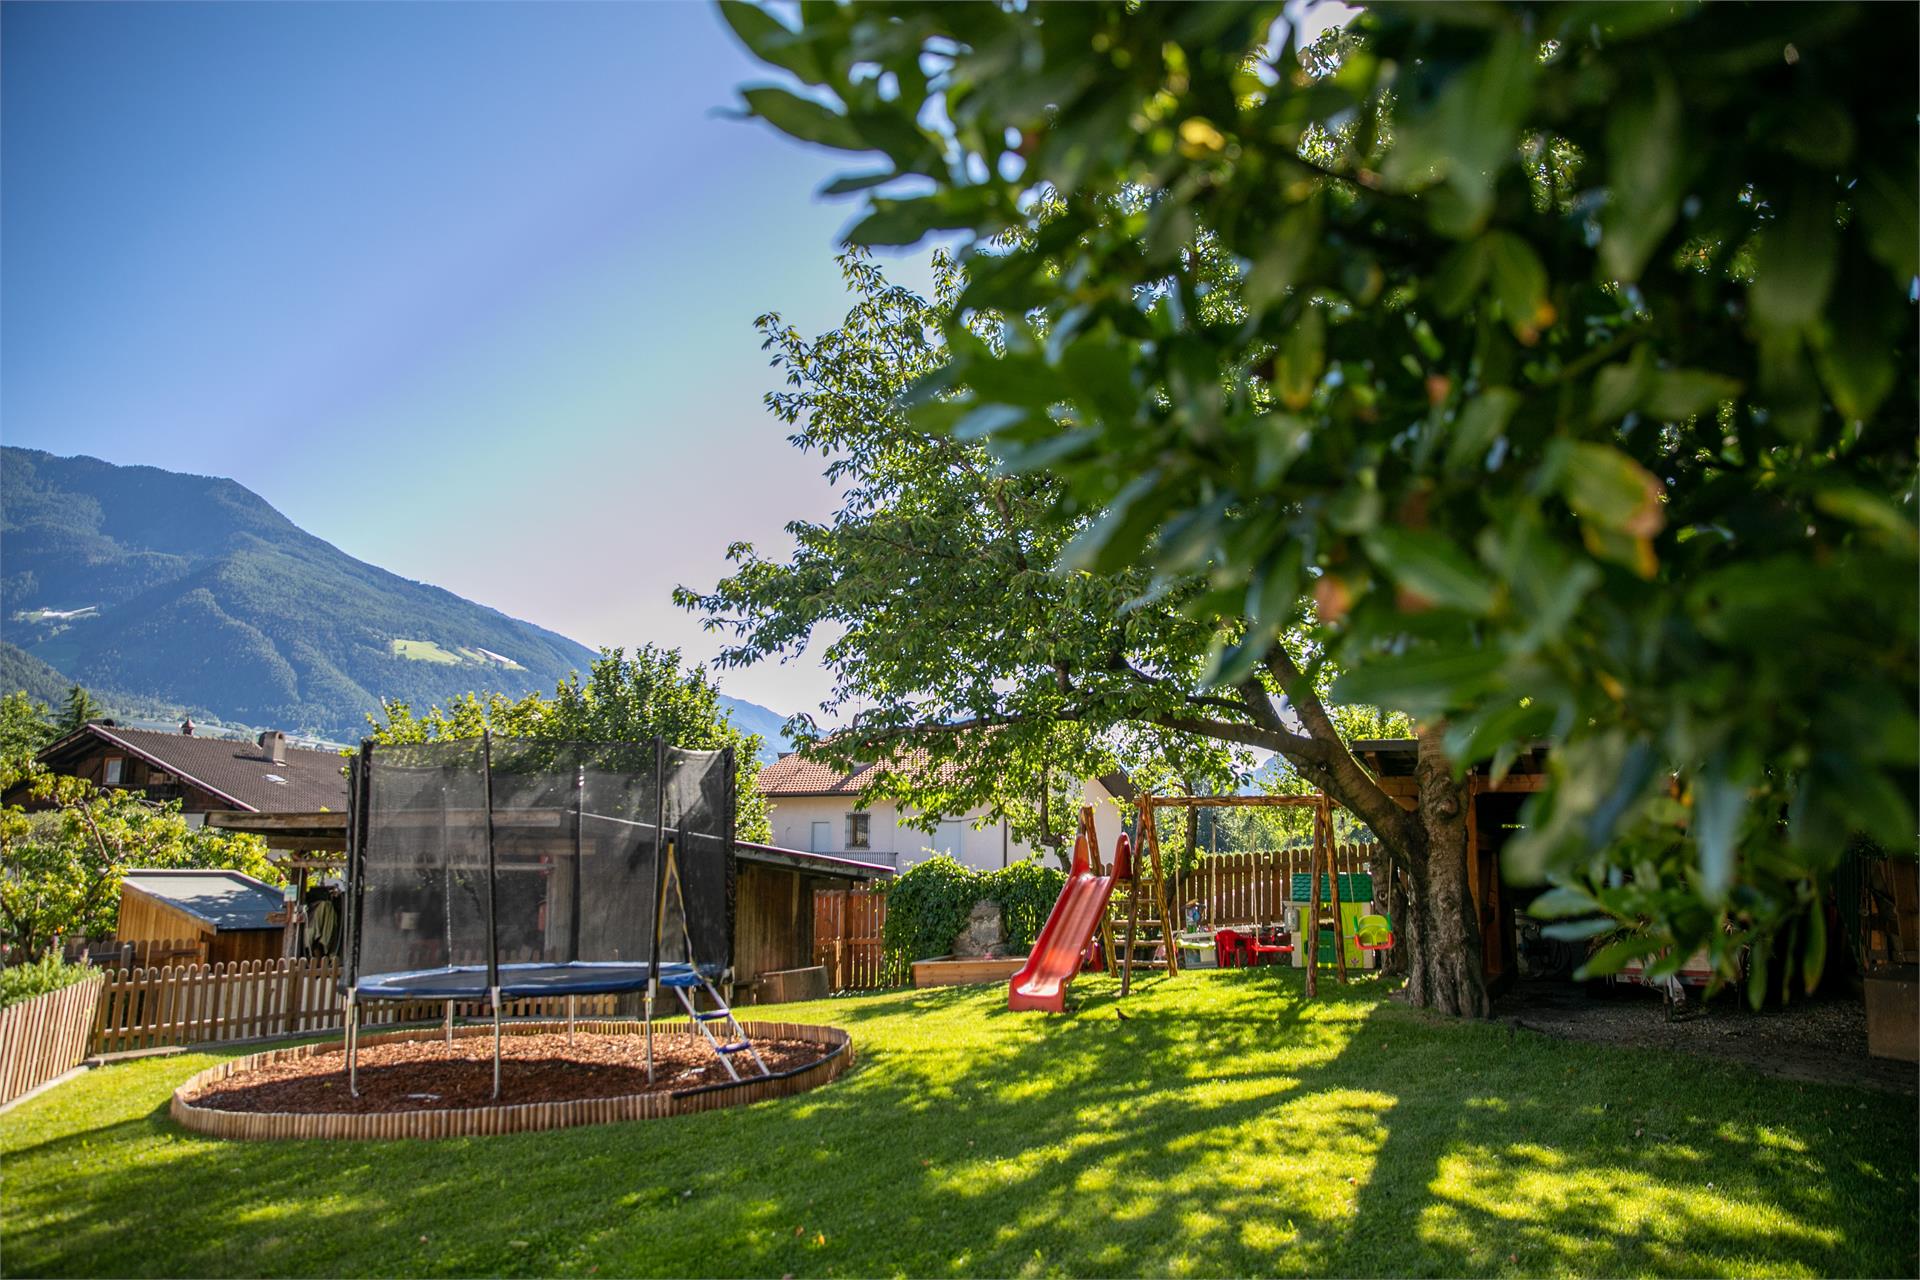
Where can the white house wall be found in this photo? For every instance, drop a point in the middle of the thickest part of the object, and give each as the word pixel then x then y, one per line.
pixel 986 848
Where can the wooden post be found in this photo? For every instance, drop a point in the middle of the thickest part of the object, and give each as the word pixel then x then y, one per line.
pixel 1325 815
pixel 1312 930
pixel 840 943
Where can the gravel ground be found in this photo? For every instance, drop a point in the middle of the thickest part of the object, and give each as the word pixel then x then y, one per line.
pixel 1823 1039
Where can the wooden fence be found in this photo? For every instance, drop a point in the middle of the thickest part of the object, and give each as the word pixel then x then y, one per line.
pixel 1231 888
pixel 255 999
pixel 847 924
pixel 1256 887
pixel 44 1036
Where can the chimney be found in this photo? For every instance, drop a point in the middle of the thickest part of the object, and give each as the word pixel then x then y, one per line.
pixel 186 727
pixel 274 743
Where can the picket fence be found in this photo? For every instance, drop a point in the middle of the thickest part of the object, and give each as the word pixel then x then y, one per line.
pixel 260 999
pixel 45 1036
pixel 1256 887
pixel 1248 888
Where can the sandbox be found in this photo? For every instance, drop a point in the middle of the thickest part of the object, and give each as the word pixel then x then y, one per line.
pixel 413 1084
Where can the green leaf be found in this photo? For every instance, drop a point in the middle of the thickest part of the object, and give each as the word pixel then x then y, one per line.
pixel 1421 682
pixel 1674 395
pixel 1605 486
pixel 1562 901
pixel 1430 566
pixel 1794 265
pixel 1117 536
pixel 1470 132
pixel 1813 959
pixel 1720 802
pixel 1757 976
pixel 1619 387
pixel 1581 930
pixel 1867 510
pixel 1274 272
pixel 1891 216
pixel 772 41
pixel 900 222
pixel 1645 148
pixel 1459 277
pixel 1301 359
pixel 1613 957
pixel 1479 425
pixel 804 118
pixel 1856 350
pixel 849 183
pixel 1519 283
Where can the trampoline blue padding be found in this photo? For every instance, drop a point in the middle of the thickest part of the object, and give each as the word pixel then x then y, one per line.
pixel 469 982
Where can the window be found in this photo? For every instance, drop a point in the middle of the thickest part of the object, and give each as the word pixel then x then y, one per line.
pixel 114 772
pixel 822 838
pixel 859 830
pixel 948 840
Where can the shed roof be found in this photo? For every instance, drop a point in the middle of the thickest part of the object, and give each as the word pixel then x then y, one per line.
pixel 223 899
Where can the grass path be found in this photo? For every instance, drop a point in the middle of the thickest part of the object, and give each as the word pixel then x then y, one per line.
pixel 1224 1126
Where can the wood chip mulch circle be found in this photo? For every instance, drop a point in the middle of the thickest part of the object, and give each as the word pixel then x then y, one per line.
pixel 429 1075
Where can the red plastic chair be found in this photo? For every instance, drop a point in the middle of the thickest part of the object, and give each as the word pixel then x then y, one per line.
pixel 1231 948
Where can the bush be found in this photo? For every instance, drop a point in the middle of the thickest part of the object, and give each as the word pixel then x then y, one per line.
pixel 930 903
pixel 38 977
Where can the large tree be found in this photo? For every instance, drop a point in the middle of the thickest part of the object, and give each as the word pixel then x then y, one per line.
pixel 959 642
pixel 1563 355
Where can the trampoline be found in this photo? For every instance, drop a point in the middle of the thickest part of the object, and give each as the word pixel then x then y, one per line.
pixel 486 870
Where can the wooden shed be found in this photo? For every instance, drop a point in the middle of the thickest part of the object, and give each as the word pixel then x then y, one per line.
pixel 225 915
pixel 773 908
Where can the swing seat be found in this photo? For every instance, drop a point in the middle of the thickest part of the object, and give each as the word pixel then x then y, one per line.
pixel 1373 933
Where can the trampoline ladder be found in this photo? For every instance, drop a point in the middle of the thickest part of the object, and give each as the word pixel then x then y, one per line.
pixel 722 1013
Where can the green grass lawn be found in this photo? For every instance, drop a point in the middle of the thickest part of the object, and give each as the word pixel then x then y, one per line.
pixel 1225 1126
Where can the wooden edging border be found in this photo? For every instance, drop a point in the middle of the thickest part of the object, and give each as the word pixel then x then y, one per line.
pixel 510 1118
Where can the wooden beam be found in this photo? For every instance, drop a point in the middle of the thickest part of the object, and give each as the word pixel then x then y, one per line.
pixel 242 820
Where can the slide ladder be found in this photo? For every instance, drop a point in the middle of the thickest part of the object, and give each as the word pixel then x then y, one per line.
pixel 1149 919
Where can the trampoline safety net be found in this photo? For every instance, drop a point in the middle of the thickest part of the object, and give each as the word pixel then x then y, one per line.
pixel 477 854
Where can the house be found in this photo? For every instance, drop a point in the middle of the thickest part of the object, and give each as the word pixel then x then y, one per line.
pixel 816 806
pixel 203 774
pixel 217 917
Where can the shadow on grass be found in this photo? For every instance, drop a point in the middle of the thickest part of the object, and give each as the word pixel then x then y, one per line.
pixel 1223 1125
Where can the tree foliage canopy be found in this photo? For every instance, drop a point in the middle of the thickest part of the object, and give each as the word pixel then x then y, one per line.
pixel 60 868
pixel 1562 356
pixel 622 699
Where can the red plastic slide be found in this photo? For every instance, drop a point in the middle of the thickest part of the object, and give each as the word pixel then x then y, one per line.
pixel 1042 981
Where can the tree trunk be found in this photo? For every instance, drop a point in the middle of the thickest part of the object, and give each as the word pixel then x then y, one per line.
pixel 1444 965
pixel 1437 929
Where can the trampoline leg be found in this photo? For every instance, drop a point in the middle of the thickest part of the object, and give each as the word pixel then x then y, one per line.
pixel 496 1042
pixel 353 1049
pixel 449 1024
pixel 570 1022
pixel 649 1037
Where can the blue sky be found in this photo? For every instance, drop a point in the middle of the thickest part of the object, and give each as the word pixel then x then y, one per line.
pixel 467 290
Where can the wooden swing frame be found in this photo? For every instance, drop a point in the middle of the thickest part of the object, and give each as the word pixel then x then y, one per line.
pixel 1321 855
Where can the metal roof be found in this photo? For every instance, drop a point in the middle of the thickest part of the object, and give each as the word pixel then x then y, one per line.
pixel 223 899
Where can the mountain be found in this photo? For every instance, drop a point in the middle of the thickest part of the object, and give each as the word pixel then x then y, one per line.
pixel 192 591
